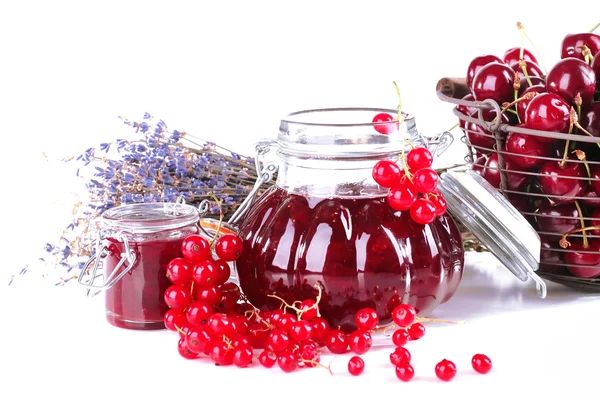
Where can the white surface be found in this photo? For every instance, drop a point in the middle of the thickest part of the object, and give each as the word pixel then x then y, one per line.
pixel 227 71
pixel 56 344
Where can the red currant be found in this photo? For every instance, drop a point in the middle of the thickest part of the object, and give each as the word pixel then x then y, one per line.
pixel 400 356
pixel 184 351
pixel 400 337
pixel 220 325
pixel 300 331
pixel 418 158
pixel 309 309
pixel 267 358
pixel 231 295
pixel 425 180
pixel 386 173
pixel 223 272
pixel 416 331
pixel 360 341
pixel 366 319
pixel 258 335
pixel 198 339
pixel 176 296
pixel 228 247
pixel 320 329
pixel 440 204
pixel 278 340
pixel 402 197
pixel 179 271
pixel 404 315
pixel 195 248
pixel 205 273
pixel 221 353
pixel 405 372
pixel 445 370
pixel 174 318
pixel 242 356
pixel 211 295
pixel 423 211
pixel 481 363
pixel 286 321
pixel 287 361
pixel 381 118
pixel 336 341
pixel 198 313
pixel 356 365
pixel 308 350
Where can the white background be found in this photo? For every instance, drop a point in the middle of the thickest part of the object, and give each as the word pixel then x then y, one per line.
pixel 227 71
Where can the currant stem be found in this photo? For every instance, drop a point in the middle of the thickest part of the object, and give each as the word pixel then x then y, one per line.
pixel 317 364
pixel 595 27
pixel 582 222
pixel 434 320
pixel 300 311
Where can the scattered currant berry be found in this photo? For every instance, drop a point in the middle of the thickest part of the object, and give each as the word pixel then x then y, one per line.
pixel 360 341
pixel 336 341
pixel 267 358
pixel 384 128
pixel 419 158
pixel 445 370
pixel 405 372
pixel 228 247
pixel 400 356
pixel 287 361
pixel 416 331
pixel 356 365
pixel 481 363
pixel 402 197
pixel 400 337
pixel 423 211
pixel 366 319
pixel 195 248
pixel 425 180
pixel 404 315
pixel 176 296
pixel 179 271
pixel 386 173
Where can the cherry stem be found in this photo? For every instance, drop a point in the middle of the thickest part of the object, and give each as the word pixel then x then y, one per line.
pixel 595 27
pixel 565 244
pixel 582 222
pixel 566 152
pixel 523 65
pixel 575 121
pixel 523 33
pixel 220 218
pixel 581 156
pixel 300 311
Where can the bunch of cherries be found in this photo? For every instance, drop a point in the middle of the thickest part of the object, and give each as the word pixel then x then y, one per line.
pixel 553 182
pixel 215 321
pixel 412 184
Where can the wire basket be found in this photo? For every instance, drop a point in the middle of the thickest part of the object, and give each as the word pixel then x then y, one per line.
pixel 550 214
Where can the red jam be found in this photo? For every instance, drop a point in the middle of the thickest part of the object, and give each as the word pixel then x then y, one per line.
pixel 360 251
pixel 136 301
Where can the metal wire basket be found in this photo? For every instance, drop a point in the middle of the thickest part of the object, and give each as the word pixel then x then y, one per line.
pixel 485 139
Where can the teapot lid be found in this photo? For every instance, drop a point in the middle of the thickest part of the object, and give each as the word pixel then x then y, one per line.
pixel 495 222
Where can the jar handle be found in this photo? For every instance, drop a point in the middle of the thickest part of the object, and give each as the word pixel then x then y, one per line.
pixel 264 174
pixel 128 256
pixel 440 143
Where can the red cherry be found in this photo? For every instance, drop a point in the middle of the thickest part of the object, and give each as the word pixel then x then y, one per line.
pixel 590 118
pixel 402 197
pixel 416 331
pixel 405 372
pixel 404 315
pixel 179 271
pixel 596 67
pixel 480 138
pixel 366 318
pixel 572 44
pixel 588 258
pixel 535 81
pixel 479 164
pixel 419 158
pixel 477 63
pixel 494 81
pixel 481 363
pixel 195 248
pixel 228 247
pixel 522 104
pixel 467 111
pixel 513 55
pixel 423 211
pixel 356 365
pixel 532 68
pixel 590 197
pixel 386 173
pixel 595 174
pixel 491 173
pixel 571 76
pixel 360 341
pixel 445 370
pixel 531 151
pixel 425 180
pixel 548 112
pixel 379 123
pixel 558 219
pixel 176 296
pixel 563 183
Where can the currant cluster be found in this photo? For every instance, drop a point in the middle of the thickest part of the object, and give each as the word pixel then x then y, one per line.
pixel 553 182
pixel 412 186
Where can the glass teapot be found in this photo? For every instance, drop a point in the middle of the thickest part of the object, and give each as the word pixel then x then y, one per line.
pixel 326 225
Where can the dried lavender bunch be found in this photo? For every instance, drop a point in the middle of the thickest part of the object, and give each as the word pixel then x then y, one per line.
pixel 159 165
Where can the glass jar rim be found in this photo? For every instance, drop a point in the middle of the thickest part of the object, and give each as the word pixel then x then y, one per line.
pixel 288 119
pixel 150 217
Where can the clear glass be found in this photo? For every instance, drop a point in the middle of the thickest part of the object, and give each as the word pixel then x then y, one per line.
pixel 327 222
pixel 154 233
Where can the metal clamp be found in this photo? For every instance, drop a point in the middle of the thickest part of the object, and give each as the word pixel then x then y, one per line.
pixel 102 252
pixel 440 143
pixel 264 174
